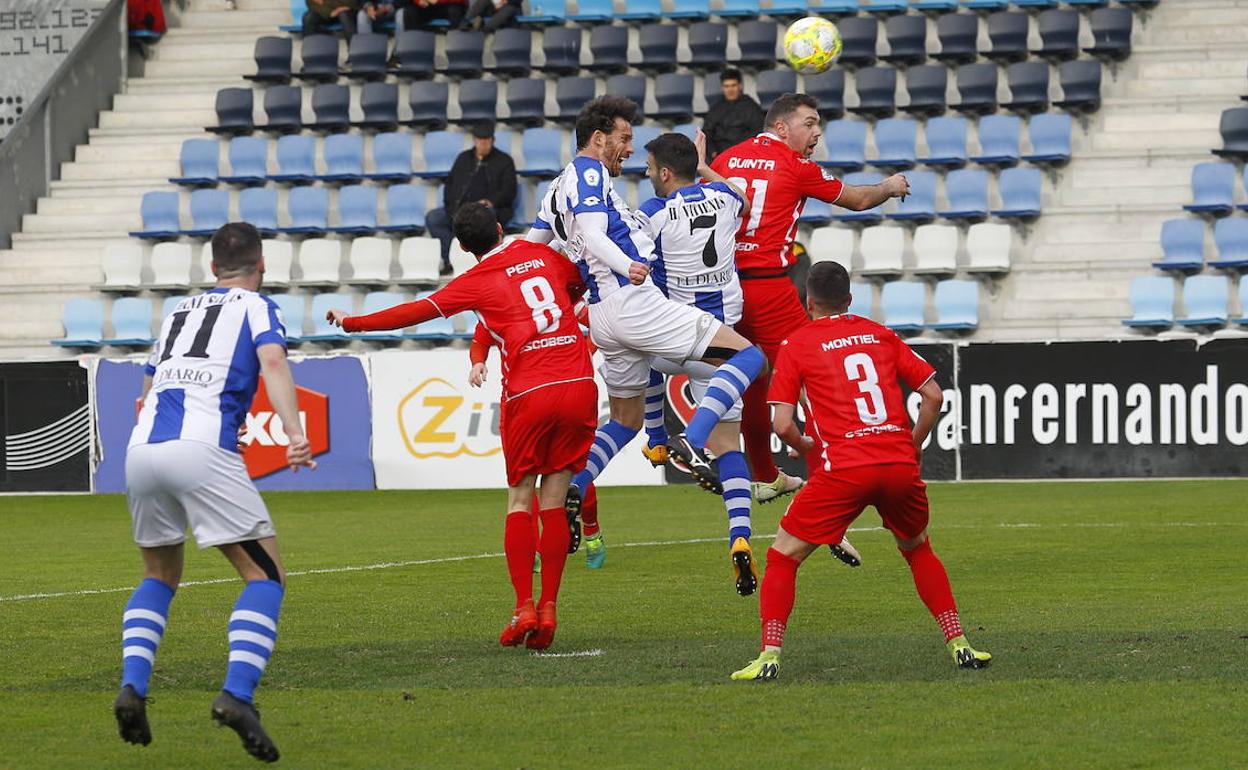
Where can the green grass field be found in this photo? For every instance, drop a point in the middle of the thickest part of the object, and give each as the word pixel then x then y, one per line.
pixel 1117 614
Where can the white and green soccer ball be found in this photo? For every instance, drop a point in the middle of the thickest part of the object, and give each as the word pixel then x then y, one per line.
pixel 812 44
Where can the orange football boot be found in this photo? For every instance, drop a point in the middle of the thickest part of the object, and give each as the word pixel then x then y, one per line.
pixel 523 624
pixel 546 623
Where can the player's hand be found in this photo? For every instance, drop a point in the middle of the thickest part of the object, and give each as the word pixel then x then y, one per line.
pixel 477 376
pixel 897 186
pixel 918 451
pixel 336 317
pixel 804 445
pixel 699 141
pixel 299 454
pixel 637 273
pixel 338 12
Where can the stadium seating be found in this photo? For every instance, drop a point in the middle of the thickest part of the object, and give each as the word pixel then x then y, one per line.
pixel 440 150
pixel 375 301
pixel 977 88
pixel 433 330
pixel 815 212
pixel 989 248
pixel 1059 34
pixel 1081 86
pixel 1205 300
pixel 1007 30
pixel 862 298
pixel 1213 189
pixel 249 161
pixel 673 96
pixel 357 210
pixel 771 84
pixel 903 306
pixel 1152 303
pixel 870 215
pixel 320 262
pixel 279 258
pixel 170 304
pixel 171 267
pixel 935 250
pixel 630 87
pixel 562 49
pixel 392 158
pixel 1182 245
pixel 542 152
pixel 465 51
pixel 832 244
pixel 1000 137
pixel 122 264
pixel 1020 190
pixel 946 142
pixel 210 209
pixel 828 88
pixel 160 214
pixel 1029 87
pixel 132 322
pixel 926 84
pixel 283 110
pixel 957 306
pixel 859 38
pixel 967 192
pixel 258 207
pixel 895 140
pixel 322 330
pixel 1050 139
pixel 877 88
pixel 331 104
pixel 380 104
pixel 883 249
pixel 907 40
pixel 296 160
pixel 513 52
pixel 272 60
pixel 1111 33
pixel 957 33
pixel 419 260
pixel 884 6
pixel 571 94
pixel 413 53
pixel 526 102
pixel 368 54
pixel 234 108
pixel 708 45
pixel 657 43
pixel 308 208
pixel 478 100
pixel 370 262
pixel 756 41
pixel 344 158
pixel 292 315
pixel 608 47
pixel 83 320
pixel 405 209
pixel 198 161
pixel 598 12
pixel 642 135
pixel 319 54
pixel 1234 129
pixel 1230 235
pixel 920 204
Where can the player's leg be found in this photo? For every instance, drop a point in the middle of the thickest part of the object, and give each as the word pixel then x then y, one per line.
pixel 655 449
pixel 776 601
pixel 739 362
pixel 734 474
pixel 554 548
pixel 520 548
pixel 595 543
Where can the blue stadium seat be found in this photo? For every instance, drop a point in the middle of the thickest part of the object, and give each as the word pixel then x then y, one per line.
pixel 344 158
pixel 405 209
pixel 513 52
pixel 441 149
pixel 1152 303
pixel 597 12
pixel 322 330
pixel 986 5
pixel 132 322
pixel 380 104
pixel 861 299
pixel 83 320
pixel 967 191
pixel 846 142
pixel 1000 137
pixel 297 9
pixel 934 5
pixel 642 11
pixel 1111 33
pixel 169 304
pixel 413 51
pixel 689 130
pixel 1233 126
pixel 895 139
pixel 368 54
pixel 465 50
pixel 308 208
pixel 793 9
pixel 926 84
pixel 571 94
pixel 642 135
pixel 645 191
pixel 1081 86
pixel 1231 237
pixel 1007 30
pixel 544 12
pixel 828 88
pixel 1029 87
pixel 562 49
pixel 258 207
pixel 249 161
pixel 296 160
pixel 1050 139
pixel 907 39
pixel 1035 3
pixel 1059 34
pixel 1205 298
pixel 870 215
pixel 435 329
pixel 815 212
pixel 1213 188
pixel 427 101
pixel 608 45
pixel 198 160
pixel 234 107
pixel 977 86
pixel 159 211
pixel 689 10
pixel 946 142
pixel 859 37
pixel 1020 190
pixel 526 102
pixel 884 6
pixel 375 301
pixel 1182 245
pixel 520 219
pixel 708 45
pixel 392 158
pixel 631 87
pixel 756 41
pixel 903 304
pixel 272 57
pixel 957 33
pixel 877 88
pixel 739 9
pixel 331 104
pixel 319 54
pixel 673 96
pixel 283 109
pixel 543 152
pixel 357 210
pixel 209 210
pixel 771 84
pixel 478 101
pixel 920 204
pixel 291 306
pixel 957 306
pixel 658 47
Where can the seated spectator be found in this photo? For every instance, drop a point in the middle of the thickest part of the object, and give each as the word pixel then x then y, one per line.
pixel 484 174
pixel 322 13
pixel 374 14
pixel 733 120
pixel 495 13
pixel 420 13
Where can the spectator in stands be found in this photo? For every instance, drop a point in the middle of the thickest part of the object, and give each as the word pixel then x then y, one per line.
pixel 374 14
pixel 322 13
pixel 419 14
pixel 733 120
pixel 484 174
pixel 500 13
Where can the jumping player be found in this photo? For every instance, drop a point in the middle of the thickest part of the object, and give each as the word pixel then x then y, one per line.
pixel 183 470
pixel 868 455
pixel 524 294
pixel 776 173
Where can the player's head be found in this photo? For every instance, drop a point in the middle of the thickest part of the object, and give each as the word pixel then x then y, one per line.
pixel 672 163
pixel 795 119
pixel 604 130
pixel 236 254
pixel 827 289
pixel 730 84
pixel 477 228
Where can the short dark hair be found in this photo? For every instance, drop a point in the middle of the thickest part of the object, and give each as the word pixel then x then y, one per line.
pixel 476 227
pixel 786 104
pixel 827 285
pixel 236 249
pixel 675 152
pixel 732 73
pixel 600 115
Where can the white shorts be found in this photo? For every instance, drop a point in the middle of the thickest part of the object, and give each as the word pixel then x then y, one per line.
pixel 178 484
pixel 700 373
pixel 637 323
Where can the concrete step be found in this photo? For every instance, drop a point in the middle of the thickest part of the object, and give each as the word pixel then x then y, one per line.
pixel 240 19
pixel 183 100
pixel 1141 54
pixel 1127 193
pixel 218 6
pixel 107 188
pixel 165 69
pixel 123 205
pixel 85 225
pixel 207 50
pixel 189 121
pixel 1155 142
pixel 1088 255
pixel 1049 309
pixel 1168 105
pixel 127 153
pixel 1065 231
pixel 1211 68
pixel 210 84
pixel 1083 176
pixel 155 169
pixel 1196 35
pixel 53 241
pixel 1166 121
pixel 1228 87
pixel 54 277
pixel 1183 16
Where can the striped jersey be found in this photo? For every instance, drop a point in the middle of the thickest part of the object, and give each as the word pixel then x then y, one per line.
pixel 204 367
pixel 695 239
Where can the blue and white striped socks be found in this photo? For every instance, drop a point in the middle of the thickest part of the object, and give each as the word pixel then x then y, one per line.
pixel 608 441
pixel 734 473
pixel 727 384
pixel 253 632
pixel 656 430
pixel 142 626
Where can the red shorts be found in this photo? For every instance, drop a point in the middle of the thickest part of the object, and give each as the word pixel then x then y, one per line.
pixel 549 429
pixel 828 503
pixel 770 312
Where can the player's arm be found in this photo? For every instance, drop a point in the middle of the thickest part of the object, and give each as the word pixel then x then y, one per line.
pixel 784 422
pixel 397 317
pixel 478 351
pixel 783 394
pixel 711 175
pixel 280 385
pixel 594 226
pixel 868 196
pixel 929 409
pixel 539 234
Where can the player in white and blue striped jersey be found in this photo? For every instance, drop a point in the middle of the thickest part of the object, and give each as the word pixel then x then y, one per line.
pixel 183 470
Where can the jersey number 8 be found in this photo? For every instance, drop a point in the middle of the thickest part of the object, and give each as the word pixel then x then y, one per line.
pixel 540 298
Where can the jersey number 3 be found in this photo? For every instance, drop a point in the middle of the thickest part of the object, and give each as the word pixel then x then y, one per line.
pixel 540 298
pixel 860 368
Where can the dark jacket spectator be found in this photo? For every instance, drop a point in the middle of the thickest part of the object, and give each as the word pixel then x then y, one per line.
pixel 496 14
pixel 322 13
pixel 484 174
pixel 733 120
pixel 420 13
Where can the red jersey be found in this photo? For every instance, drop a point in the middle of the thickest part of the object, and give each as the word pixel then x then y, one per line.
pixel 778 181
pixel 524 294
pixel 850 367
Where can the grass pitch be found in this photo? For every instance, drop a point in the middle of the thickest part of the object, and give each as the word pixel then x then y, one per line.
pixel 1117 614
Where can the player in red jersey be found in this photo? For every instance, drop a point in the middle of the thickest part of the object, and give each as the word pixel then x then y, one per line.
pixel 775 170
pixel 524 294
pixel 868 455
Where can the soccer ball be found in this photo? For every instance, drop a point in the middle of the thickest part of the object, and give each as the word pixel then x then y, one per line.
pixel 812 44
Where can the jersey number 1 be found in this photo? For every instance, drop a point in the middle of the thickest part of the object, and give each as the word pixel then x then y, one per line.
pixel 860 368
pixel 540 298
pixel 758 197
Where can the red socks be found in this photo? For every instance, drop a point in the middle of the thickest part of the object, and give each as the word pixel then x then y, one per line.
pixel 756 430
pixel 776 597
pixel 554 550
pixel 589 512
pixel 932 582
pixel 519 544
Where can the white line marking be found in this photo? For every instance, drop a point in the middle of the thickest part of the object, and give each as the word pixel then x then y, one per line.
pixel 579 654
